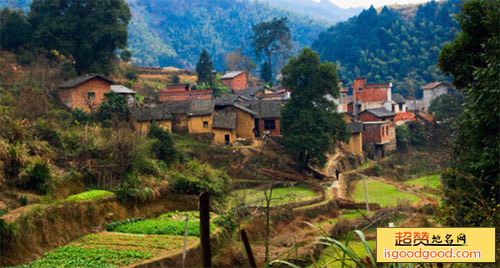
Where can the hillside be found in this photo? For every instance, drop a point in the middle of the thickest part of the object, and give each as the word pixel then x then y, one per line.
pixel 324 9
pixel 173 33
pixel 391 45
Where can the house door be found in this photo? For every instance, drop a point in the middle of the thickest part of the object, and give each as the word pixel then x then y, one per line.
pixel 226 139
pixel 256 128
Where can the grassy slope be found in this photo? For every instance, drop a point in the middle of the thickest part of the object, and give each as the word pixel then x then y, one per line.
pixel 432 181
pixel 382 193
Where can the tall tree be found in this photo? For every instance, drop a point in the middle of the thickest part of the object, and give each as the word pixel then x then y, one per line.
pixel 15 31
pixel 204 68
pixel 309 121
pixel 273 39
pixel 471 185
pixel 237 61
pixel 266 73
pixel 89 31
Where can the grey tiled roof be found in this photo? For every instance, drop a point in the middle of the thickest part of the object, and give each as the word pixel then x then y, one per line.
pixel 122 90
pixel 380 112
pixel 249 91
pixel 157 113
pixel 224 119
pixel 81 79
pixel 356 127
pixel 397 98
pixel 267 108
pixel 230 75
pixel 201 107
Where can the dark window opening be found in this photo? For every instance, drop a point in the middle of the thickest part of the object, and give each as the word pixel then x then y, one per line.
pixel 400 106
pixel 387 130
pixel 360 89
pixel 91 95
pixel 205 124
pixel 269 124
pixel 187 87
pixel 226 139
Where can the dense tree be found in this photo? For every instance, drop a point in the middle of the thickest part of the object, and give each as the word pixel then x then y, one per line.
pixel 273 39
pixel 115 107
pixel 309 122
pixel 237 61
pixel 266 73
pixel 15 31
pixel 392 45
pixel 163 146
pixel 447 107
pixel 88 31
pixel 126 55
pixel 471 185
pixel 204 69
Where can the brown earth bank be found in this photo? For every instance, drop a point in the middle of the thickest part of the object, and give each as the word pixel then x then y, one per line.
pixel 43 228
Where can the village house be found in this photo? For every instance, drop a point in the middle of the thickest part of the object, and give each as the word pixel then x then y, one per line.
pixel 367 96
pixel 432 91
pixel 179 92
pixel 236 80
pixel 244 119
pixel 399 103
pixel 142 117
pixel 355 144
pixel 268 117
pixel 379 131
pixel 87 92
pixel 224 126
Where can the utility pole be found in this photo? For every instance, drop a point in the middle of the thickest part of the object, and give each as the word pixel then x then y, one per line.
pixel 205 230
pixel 366 198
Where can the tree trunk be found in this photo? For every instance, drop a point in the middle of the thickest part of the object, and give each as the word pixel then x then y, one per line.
pixel 205 229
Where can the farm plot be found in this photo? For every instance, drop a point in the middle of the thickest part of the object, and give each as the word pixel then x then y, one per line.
pixel 280 195
pixel 431 181
pixel 132 241
pixel 380 192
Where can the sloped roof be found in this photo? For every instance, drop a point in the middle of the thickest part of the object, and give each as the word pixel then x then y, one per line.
pixel 397 98
pixel 249 91
pixel 199 107
pixel 434 84
pixel 82 79
pixel 156 113
pixel 267 108
pixel 356 127
pixel 224 119
pixel 379 112
pixel 230 75
pixel 122 90
pixel 177 107
pixel 235 102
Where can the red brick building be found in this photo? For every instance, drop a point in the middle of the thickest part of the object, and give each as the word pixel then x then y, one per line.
pixel 379 132
pixel 367 96
pixel 236 80
pixel 178 92
pixel 84 92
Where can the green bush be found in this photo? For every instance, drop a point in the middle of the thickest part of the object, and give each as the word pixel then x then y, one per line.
pixel 7 233
pixel 81 117
pixel 402 137
pixel 161 227
pixel 198 178
pixel 163 146
pixel 23 200
pixel 225 221
pixel 38 177
pixel 48 132
pixel 115 106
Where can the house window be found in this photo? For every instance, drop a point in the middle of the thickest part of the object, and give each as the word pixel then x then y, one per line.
pixel 91 95
pixel 205 124
pixel 400 107
pixel 387 130
pixel 269 125
pixel 360 89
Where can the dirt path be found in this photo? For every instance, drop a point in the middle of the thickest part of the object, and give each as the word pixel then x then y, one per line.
pixel 331 164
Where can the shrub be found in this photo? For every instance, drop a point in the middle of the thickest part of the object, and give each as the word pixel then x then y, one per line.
pixel 48 132
pixel 81 117
pixel 163 147
pixel 115 106
pixel 38 177
pixel 23 200
pixel 7 233
pixel 198 178
pixel 402 137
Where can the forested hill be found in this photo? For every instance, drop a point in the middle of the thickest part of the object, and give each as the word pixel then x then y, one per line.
pixel 174 32
pixel 400 45
pixel 324 9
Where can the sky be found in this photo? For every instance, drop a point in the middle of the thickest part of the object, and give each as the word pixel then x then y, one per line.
pixel 375 3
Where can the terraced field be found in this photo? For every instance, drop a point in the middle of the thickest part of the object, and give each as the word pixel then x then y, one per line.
pixel 385 194
pixel 131 241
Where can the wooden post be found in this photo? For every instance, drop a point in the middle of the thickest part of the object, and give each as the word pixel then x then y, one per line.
pixel 366 198
pixel 205 230
pixel 248 249
pixel 185 242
